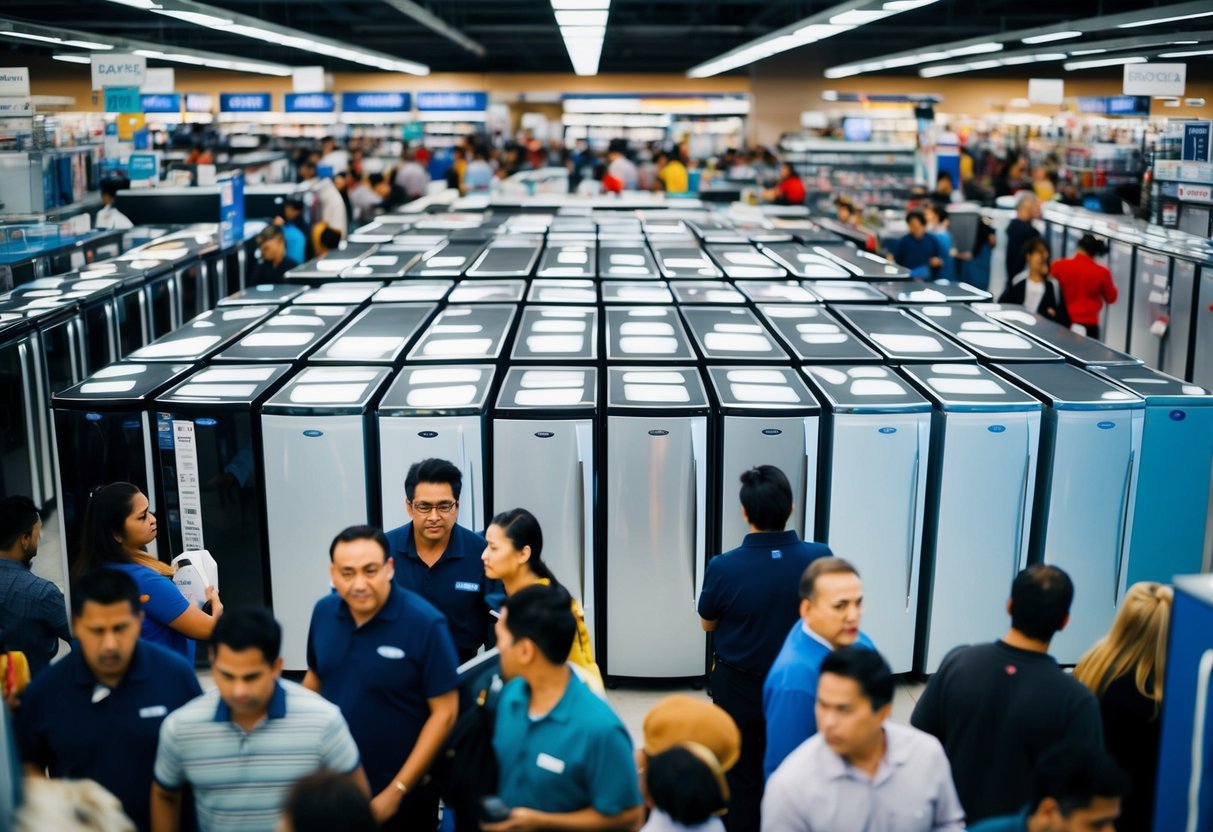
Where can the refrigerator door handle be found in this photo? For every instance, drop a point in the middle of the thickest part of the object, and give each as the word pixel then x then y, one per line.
pixel 144 317
pixel 75 350
pixel 699 468
pixel 111 334
pixel 1198 739
pixel 174 303
pixel 1122 523
pixel 31 425
pixel 1021 517
pixel 471 475
pixel 584 434
pixel 910 527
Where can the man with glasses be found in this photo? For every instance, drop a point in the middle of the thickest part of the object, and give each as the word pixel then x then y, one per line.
pixel 440 560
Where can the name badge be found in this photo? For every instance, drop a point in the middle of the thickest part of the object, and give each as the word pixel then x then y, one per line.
pixel 153 711
pixel 776 554
pixel 550 763
pixel 390 652
pixel 467 586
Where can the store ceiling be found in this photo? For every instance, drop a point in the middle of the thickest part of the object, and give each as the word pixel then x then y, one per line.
pixel 642 36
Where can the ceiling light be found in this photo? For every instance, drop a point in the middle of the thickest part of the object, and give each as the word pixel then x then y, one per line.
pixel 859 17
pixel 975 49
pixel 581 18
pixel 1051 37
pixel 907 5
pixel 1157 20
pixel 197 18
pixel 1104 62
pixel 1088 52
pixel 560 5
pixel 138 4
pixel 944 69
pixel 984 64
pixel 1189 54
pixel 73 59
pixel 585 56
pixel 216 62
pixel 80 44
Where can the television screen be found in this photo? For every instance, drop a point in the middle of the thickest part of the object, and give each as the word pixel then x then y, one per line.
pixel 857 129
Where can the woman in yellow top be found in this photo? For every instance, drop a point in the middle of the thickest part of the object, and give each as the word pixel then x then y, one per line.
pixel 513 556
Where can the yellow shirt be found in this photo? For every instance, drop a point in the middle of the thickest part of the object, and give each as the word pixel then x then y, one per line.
pixel 582 653
pixel 674 176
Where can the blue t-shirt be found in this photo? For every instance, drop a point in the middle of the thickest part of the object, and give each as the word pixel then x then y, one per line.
pixel 915 253
pixel 455 584
pixel 162 604
pixel 1003 823
pixel 65 728
pixel 790 693
pixel 382 674
pixel 296 243
pixel 753 593
pixel 576 756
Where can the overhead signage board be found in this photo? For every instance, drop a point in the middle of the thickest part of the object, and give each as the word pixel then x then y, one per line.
pixel 1115 105
pixel 14 81
pixel 1196 142
pixel 307 79
pixel 1155 79
pixel 159 79
pixel 309 102
pixel 199 102
pixel 143 167
pixel 1046 90
pixel 245 102
pixel 161 102
pixel 123 100
pixel 118 71
pixel 231 211
pixel 375 102
pixel 453 101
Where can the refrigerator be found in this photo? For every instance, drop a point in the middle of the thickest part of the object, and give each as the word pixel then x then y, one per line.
pixel 268 294
pixel 851 293
pixel 508 255
pixel 95 302
pixel 1177 356
pixel 731 335
pixel 210 459
pixel 621 259
pixel 900 337
pixel 488 291
pixel 1115 320
pixel 706 291
pixel 319 462
pixel 414 291
pixel 204 336
pixel 775 291
pixel 1171 514
pixel 655 514
pixel 1090 453
pixel 649 334
pixel 545 421
pixel 1076 349
pixel 331 264
pixel 105 432
pixel 21 439
pixel 381 265
pixel 636 292
pixel 557 333
pixel 989 340
pixel 745 262
pixel 451 259
pixel 683 259
pixel 1161 323
pixel 378 335
pixel 806 261
pixel 569 259
pixel 767 417
pixel 435 412
pixel 864 265
pixel 985 444
pixel 475 333
pixel 1202 335
pixel 353 293
pixel 876 443
pixel 565 290
pixel 921 292
pixel 289 336
pixel 814 336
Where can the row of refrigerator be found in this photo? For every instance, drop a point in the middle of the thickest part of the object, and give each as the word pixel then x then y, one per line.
pixel 940 446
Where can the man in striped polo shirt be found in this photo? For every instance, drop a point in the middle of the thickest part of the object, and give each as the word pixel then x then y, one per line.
pixel 241 747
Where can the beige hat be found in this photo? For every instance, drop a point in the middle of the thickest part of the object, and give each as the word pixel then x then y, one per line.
pixel 680 718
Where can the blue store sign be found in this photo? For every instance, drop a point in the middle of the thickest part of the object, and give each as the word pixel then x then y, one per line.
pixel 375 102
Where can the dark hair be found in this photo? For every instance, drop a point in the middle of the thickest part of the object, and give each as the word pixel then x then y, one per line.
pixel 940 211
pixel 791 168
pixel 521 527
pixel 436 471
pixel 18 516
pixel 543 614
pixel 867 667
pixel 916 215
pixel 325 801
pixel 1040 601
pixel 684 786
pixel 352 533
pixel 110 187
pixel 375 179
pixel 270 232
pixel 823 566
pixel 105 586
pixel 1092 245
pixel 1074 776
pixel 330 238
pixel 105 516
pixel 306 163
pixel 293 202
pixel 766 496
pixel 1036 244
pixel 941 176
pixel 246 627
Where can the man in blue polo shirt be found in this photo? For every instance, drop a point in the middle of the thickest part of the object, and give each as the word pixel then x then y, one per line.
pixel 440 560
pixel 565 758
pixel 831 604
pixel 918 251
pixel 97 713
pixel 749 600
pixel 385 657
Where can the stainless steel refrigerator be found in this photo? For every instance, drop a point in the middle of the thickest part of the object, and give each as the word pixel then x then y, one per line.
pixel 988 339
pixel 726 335
pixel 1076 349
pixel 378 334
pixel 815 336
pixel 288 336
pixel 557 333
pixel 901 337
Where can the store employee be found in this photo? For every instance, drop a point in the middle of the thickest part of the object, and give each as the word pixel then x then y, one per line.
pixel 440 560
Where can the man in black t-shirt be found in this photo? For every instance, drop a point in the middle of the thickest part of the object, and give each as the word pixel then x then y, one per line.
pixel 274 262
pixel 997 708
pixel 1019 231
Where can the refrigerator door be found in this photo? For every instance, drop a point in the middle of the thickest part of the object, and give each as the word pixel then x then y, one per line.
pixel 1202 338
pixel 1178 338
pixel 1116 315
pixel 1151 305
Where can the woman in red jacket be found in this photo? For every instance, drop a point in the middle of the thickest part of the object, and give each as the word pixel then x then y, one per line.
pixel 1087 284
pixel 789 191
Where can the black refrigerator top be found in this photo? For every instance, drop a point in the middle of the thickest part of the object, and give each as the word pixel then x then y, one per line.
pixel 989 340
pixel 656 389
pixel 530 392
pixel 121 385
pixel 815 336
pixel 706 291
pixel 265 293
pixel 920 291
pixel 683 260
pixel 205 335
pixel 966 388
pixel 636 291
pixel 745 262
pixel 557 333
pixel 627 260
pixel 1158 389
pixel 353 293
pixel 563 290
pixel 438 391
pixel 488 291
pixel 378 334
pixel 413 291
pixel 727 335
pixel 806 261
pixel 865 265
pixel 901 337
pixel 1077 349
pixel 236 385
pixel 835 291
pixel 646 333
pixel 466 333
pixel 333 391
pixel 1066 387
pixel 382 265
pixel 776 291
pixel 865 389
pixel 451 259
pixel 290 335
pixel 747 390
pixel 569 258
pixel 507 256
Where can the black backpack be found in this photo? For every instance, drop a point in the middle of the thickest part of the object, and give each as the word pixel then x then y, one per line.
pixel 465 770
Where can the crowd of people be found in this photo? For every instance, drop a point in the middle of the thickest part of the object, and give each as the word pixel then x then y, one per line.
pixel 384 728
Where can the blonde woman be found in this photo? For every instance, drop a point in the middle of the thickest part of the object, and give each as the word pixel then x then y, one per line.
pixel 1125 672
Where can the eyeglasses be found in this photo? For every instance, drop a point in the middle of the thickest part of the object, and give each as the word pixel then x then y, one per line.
pixel 445 507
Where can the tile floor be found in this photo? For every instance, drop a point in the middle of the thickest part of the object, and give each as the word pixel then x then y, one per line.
pixel 631 703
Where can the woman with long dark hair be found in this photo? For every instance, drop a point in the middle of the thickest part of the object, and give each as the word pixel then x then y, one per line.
pixel 514 557
pixel 118 526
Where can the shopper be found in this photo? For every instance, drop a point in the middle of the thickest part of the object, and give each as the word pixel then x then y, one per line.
pixel 412 176
pixel 33 614
pixel 384 655
pixel 294 229
pixel 789 190
pixel 938 226
pixel 918 251
pixel 687 791
pixel 749 600
pixel 479 173
pixel 1035 289
pixel 439 559
pixel 97 713
pixel 680 718
pixel 945 189
pixel 118 526
pixel 332 207
pixel 274 264
pixel 513 555
pixel 243 745
pixel 861 771
pixel 333 157
pixel 109 217
pixel 671 173
pixel 365 199
pixel 1019 231
pixel 1073 790
pixel 326 802
pixel 1087 284
pixel 831 605
pixel 564 757
pixel 1125 671
pixel 997 708
pixel 621 167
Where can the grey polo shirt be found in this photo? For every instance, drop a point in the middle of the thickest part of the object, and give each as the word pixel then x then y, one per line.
pixel 815 790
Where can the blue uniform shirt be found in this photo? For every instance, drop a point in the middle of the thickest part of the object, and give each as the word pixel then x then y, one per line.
pixel 1005 823
pixel 577 756
pixel 790 693
pixel 33 615
pixel 455 584
pixel 66 726
pixel 753 593
pixel 162 603
pixel 382 674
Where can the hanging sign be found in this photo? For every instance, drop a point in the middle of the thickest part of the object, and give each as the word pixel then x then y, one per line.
pixel 161 102
pixel 14 81
pixel 309 102
pixel 118 71
pixel 1155 79
pixel 375 102
pixel 123 100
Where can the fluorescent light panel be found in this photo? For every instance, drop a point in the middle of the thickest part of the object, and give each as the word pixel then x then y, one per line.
pixel 1104 62
pixel 73 59
pixel 583 29
pixel 1191 54
pixel 1157 20
pixel 1051 37
pixel 80 44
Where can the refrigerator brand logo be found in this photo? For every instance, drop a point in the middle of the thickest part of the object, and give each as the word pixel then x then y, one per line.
pixel 93 417
pixel 997 428
pixel 887 431
pixel 659 433
pixel 771 432
pixel 313 433
pixel 1105 425
pixel 1178 415
pixel 205 422
pixel 544 434
pixel 427 434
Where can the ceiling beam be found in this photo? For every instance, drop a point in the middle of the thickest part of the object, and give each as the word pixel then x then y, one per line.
pixel 430 20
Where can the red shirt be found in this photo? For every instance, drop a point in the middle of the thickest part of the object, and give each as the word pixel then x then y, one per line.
pixel 612 184
pixel 1087 285
pixel 792 190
